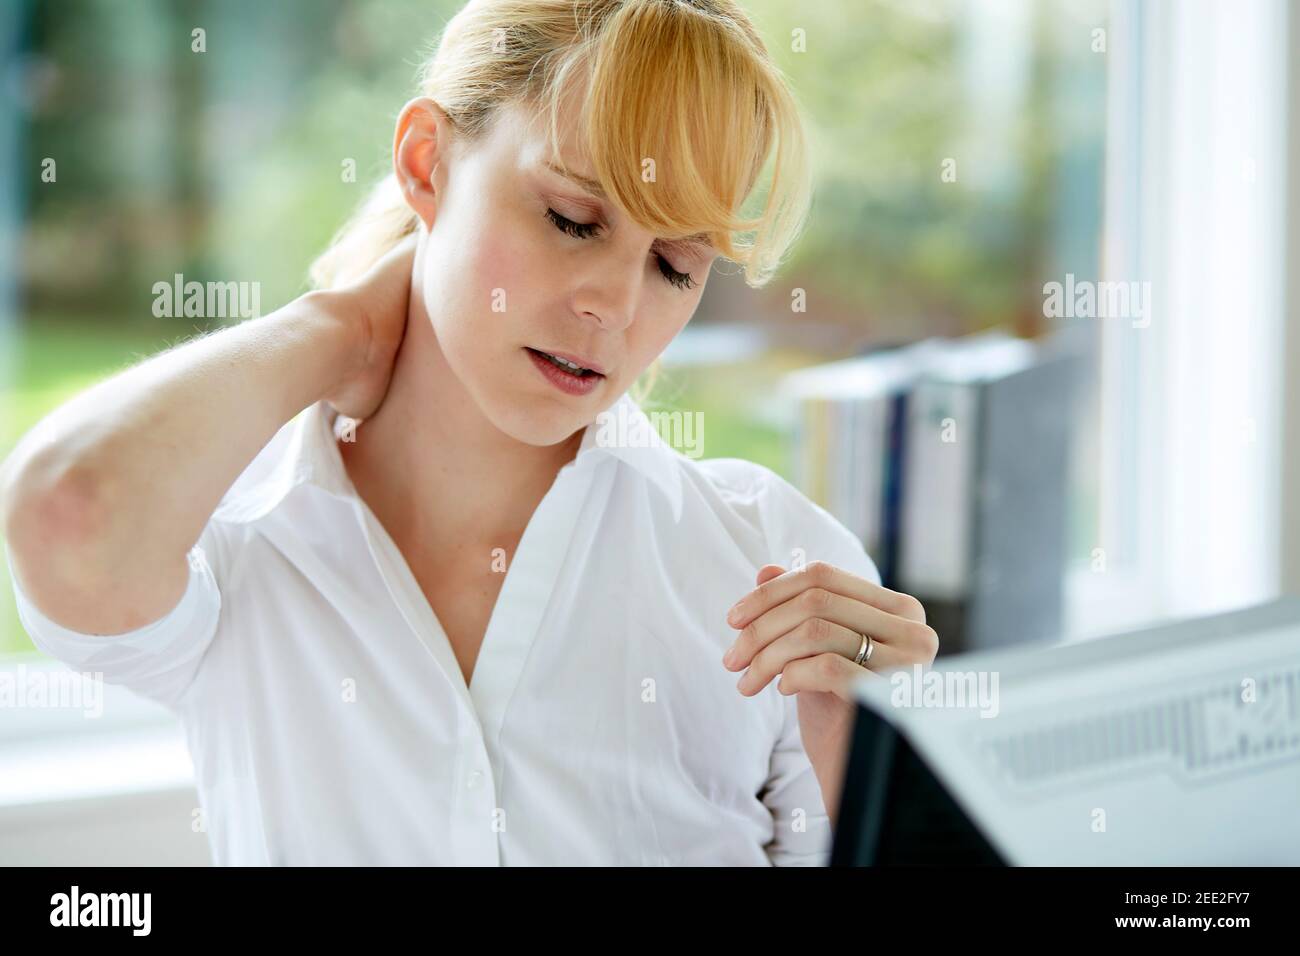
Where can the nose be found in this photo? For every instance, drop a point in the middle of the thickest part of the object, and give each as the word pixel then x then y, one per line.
pixel 609 292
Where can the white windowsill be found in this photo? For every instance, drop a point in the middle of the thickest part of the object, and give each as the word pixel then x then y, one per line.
pixel 111 763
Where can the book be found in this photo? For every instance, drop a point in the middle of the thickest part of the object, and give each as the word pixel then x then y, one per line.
pixel 949 460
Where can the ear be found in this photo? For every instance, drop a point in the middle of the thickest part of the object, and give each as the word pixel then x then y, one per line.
pixel 421 146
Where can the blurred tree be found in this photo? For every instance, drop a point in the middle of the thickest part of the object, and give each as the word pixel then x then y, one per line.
pixel 229 163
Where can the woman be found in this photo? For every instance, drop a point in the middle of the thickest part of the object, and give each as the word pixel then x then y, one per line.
pixel 463 609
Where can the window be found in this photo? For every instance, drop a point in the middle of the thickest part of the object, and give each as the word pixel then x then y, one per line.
pixel 1190 407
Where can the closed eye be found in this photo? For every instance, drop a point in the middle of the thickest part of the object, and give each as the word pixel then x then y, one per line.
pixel 579 230
pixel 586 230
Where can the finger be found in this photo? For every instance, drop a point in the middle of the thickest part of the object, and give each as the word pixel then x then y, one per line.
pixel 811 637
pixel 825 672
pixel 399 257
pixel 806 642
pixel 769 571
pixel 821 574
pixel 819 603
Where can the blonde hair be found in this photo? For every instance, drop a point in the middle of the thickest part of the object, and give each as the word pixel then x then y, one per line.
pixel 684 85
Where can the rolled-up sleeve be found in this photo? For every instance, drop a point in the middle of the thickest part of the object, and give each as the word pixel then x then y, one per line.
pixel 802 832
pixel 159 660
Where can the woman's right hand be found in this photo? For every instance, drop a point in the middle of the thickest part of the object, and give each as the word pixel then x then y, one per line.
pixel 376 307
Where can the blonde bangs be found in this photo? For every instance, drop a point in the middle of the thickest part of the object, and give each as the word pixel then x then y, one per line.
pixel 682 108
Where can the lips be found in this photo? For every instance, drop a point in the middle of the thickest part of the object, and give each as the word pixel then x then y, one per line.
pixel 584 364
pixel 562 376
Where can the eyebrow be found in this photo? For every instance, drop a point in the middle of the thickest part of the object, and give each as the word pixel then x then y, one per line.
pixel 700 239
pixel 591 185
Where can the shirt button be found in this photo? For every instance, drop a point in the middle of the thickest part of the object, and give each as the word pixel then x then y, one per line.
pixel 473 780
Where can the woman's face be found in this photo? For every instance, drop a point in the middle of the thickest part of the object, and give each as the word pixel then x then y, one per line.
pixel 520 260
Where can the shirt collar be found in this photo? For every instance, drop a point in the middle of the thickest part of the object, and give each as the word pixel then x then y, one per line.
pixel 306 452
pixel 623 431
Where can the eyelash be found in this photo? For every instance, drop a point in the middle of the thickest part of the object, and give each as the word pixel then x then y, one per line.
pixel 585 230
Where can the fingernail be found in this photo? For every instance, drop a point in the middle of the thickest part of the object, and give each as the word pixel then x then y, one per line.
pixel 734 614
pixel 729 658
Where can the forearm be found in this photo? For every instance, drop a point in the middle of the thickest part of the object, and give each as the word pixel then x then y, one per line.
pixel 830 781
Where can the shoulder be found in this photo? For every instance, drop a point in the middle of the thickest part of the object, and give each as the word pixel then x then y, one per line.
pixel 793 527
pixel 302 452
pixel 734 478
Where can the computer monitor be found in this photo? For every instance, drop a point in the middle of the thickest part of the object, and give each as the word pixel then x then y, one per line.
pixel 1171 745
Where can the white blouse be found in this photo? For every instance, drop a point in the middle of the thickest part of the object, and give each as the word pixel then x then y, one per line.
pixel 329 722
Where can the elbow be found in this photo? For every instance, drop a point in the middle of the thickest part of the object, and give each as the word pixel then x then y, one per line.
pixel 50 511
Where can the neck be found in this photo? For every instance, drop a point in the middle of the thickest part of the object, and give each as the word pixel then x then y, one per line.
pixel 432 466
